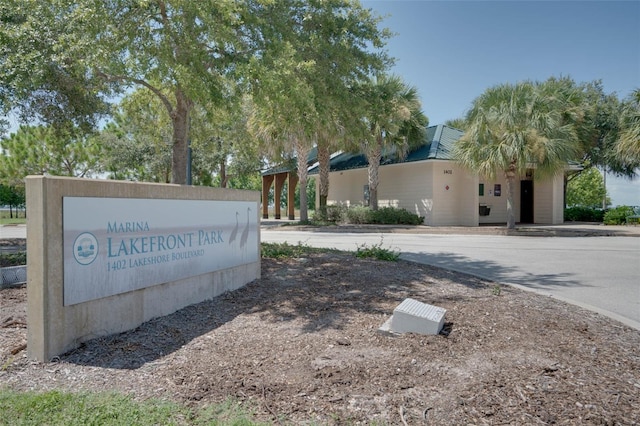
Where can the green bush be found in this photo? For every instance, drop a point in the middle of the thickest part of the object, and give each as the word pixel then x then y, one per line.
pixel 286 250
pixel 618 215
pixel 382 216
pixel 583 214
pixel 396 216
pixel 13 259
pixel 330 214
pixel 376 251
pixel 359 215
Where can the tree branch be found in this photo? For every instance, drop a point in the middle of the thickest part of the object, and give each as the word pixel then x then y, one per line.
pixel 141 82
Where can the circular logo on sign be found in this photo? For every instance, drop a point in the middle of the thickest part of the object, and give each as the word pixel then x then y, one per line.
pixel 85 248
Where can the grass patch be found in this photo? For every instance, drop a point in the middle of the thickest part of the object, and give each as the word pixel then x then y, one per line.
pixel 14 221
pixel 61 408
pixel 376 251
pixel 286 250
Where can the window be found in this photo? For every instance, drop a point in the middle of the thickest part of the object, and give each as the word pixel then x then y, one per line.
pixel 481 190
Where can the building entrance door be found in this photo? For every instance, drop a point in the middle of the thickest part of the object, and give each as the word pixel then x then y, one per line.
pixel 526 201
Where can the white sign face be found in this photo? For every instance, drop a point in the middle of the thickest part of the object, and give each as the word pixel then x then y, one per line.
pixel 116 245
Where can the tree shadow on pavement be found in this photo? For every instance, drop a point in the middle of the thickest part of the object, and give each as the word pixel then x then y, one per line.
pixel 493 271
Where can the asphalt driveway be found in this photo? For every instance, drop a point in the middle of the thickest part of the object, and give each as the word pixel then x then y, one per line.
pixel 598 273
pixel 601 273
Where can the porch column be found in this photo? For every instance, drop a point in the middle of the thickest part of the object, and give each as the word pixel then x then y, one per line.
pixel 280 180
pixel 266 185
pixel 291 195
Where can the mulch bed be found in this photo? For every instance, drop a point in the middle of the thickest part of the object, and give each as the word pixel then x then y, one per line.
pixel 302 345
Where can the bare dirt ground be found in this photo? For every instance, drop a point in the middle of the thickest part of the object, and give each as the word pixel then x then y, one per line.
pixel 301 345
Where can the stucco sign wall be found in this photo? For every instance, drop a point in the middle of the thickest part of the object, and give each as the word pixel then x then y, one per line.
pixel 116 245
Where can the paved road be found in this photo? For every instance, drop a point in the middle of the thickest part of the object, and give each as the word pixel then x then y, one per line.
pixel 598 273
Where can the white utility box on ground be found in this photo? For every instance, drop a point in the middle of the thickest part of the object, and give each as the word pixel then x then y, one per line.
pixel 412 316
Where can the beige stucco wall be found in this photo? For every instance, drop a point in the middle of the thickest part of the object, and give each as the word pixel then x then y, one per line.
pixel 347 187
pixel 498 204
pixel 455 197
pixel 421 188
pixel 548 200
pixel 52 328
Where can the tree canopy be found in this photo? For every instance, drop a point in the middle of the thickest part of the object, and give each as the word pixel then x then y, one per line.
pixel 586 189
pixel 628 146
pixel 303 84
pixel 62 60
pixel 39 150
pixel 516 127
pixel 392 122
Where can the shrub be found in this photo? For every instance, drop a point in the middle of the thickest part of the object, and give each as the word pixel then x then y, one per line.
pixel 396 216
pixel 13 259
pixel 618 215
pixel 382 216
pixel 330 214
pixel 336 213
pixel 583 214
pixel 359 215
pixel 376 251
pixel 286 250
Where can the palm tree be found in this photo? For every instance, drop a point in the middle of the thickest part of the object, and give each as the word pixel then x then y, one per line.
pixel 394 123
pixel 512 128
pixel 628 146
pixel 282 117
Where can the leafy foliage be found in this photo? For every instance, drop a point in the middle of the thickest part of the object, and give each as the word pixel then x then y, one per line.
pixel 12 196
pixel 377 251
pixel 583 214
pixel 618 215
pixel 62 60
pixel 13 259
pixel 586 189
pixel 330 214
pixel 392 121
pixel 396 216
pixel 605 125
pixel 512 127
pixel 628 146
pixel 359 215
pixel 39 150
pixel 286 250
pixel 366 215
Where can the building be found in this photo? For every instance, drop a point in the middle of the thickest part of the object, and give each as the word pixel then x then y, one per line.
pixel 429 183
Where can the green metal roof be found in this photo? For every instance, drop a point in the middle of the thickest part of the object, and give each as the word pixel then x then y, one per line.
pixel 291 165
pixel 438 144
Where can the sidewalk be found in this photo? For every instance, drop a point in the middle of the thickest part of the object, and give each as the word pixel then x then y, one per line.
pixel 569 229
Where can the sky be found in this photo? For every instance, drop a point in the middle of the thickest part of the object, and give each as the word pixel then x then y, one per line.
pixel 452 51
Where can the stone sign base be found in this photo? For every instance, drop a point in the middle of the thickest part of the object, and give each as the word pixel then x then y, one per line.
pixel 52 327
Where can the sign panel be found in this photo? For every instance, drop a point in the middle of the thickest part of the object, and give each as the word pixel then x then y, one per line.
pixel 116 245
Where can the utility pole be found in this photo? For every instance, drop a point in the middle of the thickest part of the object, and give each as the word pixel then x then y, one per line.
pixel 604 181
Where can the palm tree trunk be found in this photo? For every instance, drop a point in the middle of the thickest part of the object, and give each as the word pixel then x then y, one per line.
pixel 324 167
pixel 302 151
pixel 374 154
